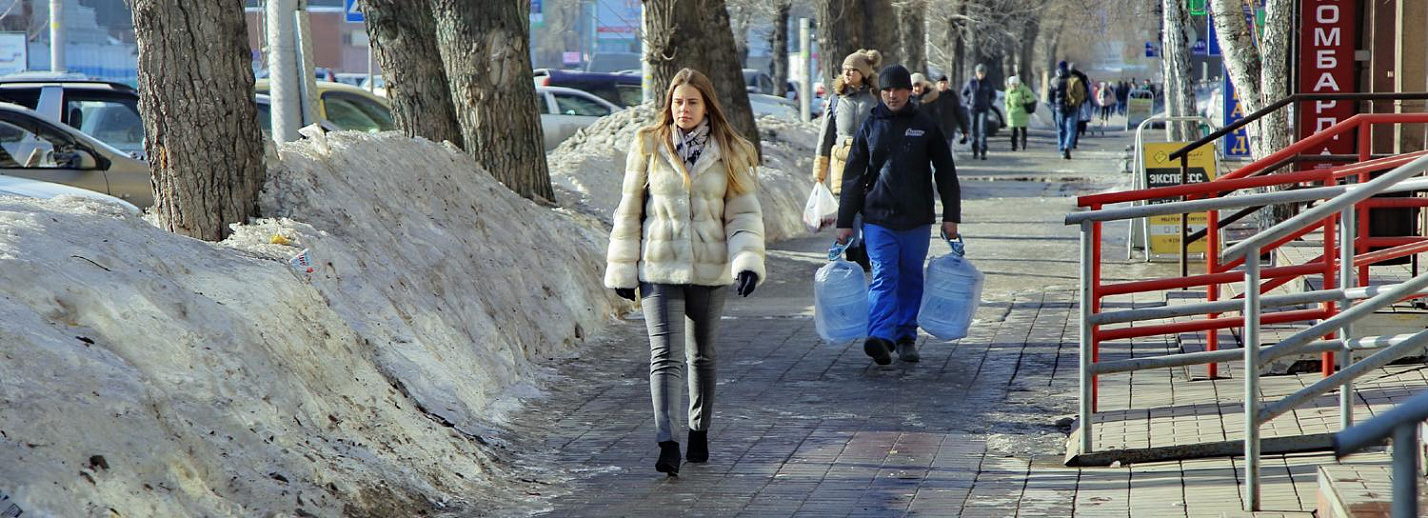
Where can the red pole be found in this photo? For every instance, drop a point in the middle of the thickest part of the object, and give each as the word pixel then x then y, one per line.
pixel 1212 263
pixel 1096 304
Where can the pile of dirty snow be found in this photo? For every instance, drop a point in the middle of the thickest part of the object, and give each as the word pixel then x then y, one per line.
pixel 589 167
pixel 149 374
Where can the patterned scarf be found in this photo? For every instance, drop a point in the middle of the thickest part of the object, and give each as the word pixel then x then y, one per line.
pixel 690 145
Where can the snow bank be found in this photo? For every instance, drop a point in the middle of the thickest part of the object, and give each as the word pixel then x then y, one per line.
pixel 148 374
pixel 589 167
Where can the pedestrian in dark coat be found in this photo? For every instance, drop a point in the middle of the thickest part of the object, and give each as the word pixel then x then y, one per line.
pixel 978 95
pixel 889 180
pixel 942 108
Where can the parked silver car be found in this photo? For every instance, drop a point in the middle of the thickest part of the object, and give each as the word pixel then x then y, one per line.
pixel 564 111
pixel 35 147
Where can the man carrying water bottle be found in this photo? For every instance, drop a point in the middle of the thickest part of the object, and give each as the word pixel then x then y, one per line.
pixel 895 157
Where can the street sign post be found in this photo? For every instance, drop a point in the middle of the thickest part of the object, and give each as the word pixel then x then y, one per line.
pixel 352 12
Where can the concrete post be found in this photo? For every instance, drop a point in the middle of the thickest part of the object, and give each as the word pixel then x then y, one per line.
pixel 57 37
pixel 805 54
pixel 305 66
pixel 283 90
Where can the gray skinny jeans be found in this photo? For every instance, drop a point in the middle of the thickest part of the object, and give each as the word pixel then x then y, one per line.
pixel 701 307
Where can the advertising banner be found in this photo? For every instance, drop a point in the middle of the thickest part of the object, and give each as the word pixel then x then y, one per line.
pixel 1163 232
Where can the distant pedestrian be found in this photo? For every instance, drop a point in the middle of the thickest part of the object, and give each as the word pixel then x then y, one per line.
pixel 1122 96
pixel 944 89
pixel 1068 93
pixel 1087 107
pixel 1105 101
pixel 895 158
pixel 688 226
pixel 856 93
pixel 978 95
pixel 1018 99
pixel 942 107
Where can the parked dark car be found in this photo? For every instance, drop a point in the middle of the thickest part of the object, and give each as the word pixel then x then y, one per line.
pixel 622 90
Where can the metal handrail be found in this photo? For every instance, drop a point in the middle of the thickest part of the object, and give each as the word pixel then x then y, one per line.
pixel 1354 194
pixel 1300 97
pixel 1233 202
pixel 1400 422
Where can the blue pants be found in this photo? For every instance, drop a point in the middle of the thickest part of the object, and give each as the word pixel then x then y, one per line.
pixel 1066 130
pixel 979 131
pixel 896 291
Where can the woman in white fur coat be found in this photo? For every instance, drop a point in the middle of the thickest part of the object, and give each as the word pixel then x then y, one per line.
pixel 688 226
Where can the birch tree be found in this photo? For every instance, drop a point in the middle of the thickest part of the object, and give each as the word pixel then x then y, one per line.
pixel 1258 67
pixel 1175 65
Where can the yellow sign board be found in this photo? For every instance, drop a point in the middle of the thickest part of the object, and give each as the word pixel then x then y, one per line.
pixel 1163 232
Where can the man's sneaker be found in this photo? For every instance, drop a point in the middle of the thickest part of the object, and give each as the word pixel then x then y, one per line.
pixel 878 349
pixel 1066 154
pixel 907 350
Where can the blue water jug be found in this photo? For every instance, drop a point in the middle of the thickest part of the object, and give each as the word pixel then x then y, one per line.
pixel 950 295
pixel 840 299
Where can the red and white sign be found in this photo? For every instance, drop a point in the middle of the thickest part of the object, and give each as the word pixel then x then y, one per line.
pixel 1326 65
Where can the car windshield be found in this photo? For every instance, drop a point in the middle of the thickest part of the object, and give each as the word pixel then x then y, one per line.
pixel 113 122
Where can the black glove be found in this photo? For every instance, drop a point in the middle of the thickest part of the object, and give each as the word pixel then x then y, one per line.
pixel 626 293
pixel 747 282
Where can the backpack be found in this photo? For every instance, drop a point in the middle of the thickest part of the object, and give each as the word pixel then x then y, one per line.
pixel 1075 92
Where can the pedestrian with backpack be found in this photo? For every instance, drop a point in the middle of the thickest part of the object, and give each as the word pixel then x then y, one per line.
pixel 978 95
pixel 855 95
pixel 1068 93
pixel 896 156
pixel 688 226
pixel 1020 103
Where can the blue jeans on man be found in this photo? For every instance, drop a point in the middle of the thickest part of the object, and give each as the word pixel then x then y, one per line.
pixel 1066 130
pixel 896 292
pixel 979 133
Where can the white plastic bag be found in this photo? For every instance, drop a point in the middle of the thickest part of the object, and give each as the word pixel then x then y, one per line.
pixel 951 292
pixel 821 211
pixel 840 300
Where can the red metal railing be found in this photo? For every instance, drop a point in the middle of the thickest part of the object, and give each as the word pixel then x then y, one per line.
pixel 1217 274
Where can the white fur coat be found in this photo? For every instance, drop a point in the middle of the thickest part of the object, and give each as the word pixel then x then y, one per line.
pixel 695 231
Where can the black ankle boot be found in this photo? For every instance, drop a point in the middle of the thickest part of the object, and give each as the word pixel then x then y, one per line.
pixel 668 458
pixel 698 446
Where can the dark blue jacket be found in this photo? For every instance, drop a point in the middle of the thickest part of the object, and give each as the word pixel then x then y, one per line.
pixel 978 95
pixel 890 172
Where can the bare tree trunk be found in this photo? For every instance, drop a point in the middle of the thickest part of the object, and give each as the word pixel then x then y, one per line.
pixel 840 32
pixel 485 51
pixel 880 17
pixel 201 124
pixel 912 18
pixel 1026 59
pixel 696 34
pixel 740 25
pixel 780 49
pixel 1274 130
pixel 403 36
pixel 1175 64
pixel 1242 59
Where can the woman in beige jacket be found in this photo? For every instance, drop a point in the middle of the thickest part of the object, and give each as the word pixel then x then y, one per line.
pixel 688 226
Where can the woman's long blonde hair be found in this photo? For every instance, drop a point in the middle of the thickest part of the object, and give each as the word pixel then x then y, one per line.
pixel 739 154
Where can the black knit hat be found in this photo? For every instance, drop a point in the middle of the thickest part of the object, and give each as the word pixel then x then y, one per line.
pixel 895 76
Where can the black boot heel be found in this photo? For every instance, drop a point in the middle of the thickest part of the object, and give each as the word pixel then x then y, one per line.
pixel 668 458
pixel 698 446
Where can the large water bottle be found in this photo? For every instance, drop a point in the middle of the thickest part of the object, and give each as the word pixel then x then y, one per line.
pixel 950 295
pixel 840 299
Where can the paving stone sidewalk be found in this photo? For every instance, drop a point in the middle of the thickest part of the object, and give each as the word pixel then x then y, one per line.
pixel 977 428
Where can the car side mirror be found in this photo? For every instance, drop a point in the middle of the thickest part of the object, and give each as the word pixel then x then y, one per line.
pixel 76 159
